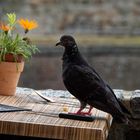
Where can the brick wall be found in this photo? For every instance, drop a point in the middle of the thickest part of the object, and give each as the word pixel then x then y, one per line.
pixel 78 16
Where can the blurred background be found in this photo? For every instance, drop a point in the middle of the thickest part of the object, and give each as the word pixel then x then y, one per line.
pixel 107 33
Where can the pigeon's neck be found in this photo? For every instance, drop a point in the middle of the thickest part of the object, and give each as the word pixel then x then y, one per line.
pixel 73 56
pixel 70 52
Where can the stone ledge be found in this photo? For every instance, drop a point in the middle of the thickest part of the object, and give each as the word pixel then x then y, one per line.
pixel 131 99
pixel 135 103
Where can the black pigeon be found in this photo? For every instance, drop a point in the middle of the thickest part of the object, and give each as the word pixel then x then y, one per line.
pixel 82 81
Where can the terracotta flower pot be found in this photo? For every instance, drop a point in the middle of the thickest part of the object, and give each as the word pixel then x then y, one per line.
pixel 9 77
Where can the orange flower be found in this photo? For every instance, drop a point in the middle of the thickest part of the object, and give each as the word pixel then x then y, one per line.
pixel 4 27
pixel 27 25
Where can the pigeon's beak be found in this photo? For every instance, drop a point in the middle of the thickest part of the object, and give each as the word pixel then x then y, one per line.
pixel 57 44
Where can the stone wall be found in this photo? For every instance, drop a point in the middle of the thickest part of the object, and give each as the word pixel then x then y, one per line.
pixel 78 16
pixel 131 100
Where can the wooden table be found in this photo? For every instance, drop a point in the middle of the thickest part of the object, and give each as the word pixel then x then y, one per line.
pixel 44 122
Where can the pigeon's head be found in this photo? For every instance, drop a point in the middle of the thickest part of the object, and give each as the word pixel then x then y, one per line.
pixel 66 41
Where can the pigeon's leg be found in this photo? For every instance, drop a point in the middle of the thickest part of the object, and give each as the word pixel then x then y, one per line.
pixel 80 112
pixel 89 111
pixel 82 106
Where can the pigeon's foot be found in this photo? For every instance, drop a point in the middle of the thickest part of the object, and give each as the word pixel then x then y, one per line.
pixel 85 113
pixel 80 112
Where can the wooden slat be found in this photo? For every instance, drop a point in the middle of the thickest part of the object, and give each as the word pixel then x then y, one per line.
pixel 42 122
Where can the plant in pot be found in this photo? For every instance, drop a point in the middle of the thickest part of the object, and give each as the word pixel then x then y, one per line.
pixel 14 50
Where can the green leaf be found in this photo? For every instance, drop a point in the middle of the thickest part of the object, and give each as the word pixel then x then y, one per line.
pixel 11 19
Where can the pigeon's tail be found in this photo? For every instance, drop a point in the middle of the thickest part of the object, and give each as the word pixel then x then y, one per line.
pixel 122 119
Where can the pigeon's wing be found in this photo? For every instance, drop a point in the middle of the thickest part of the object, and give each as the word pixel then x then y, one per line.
pixel 87 85
pixel 81 78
